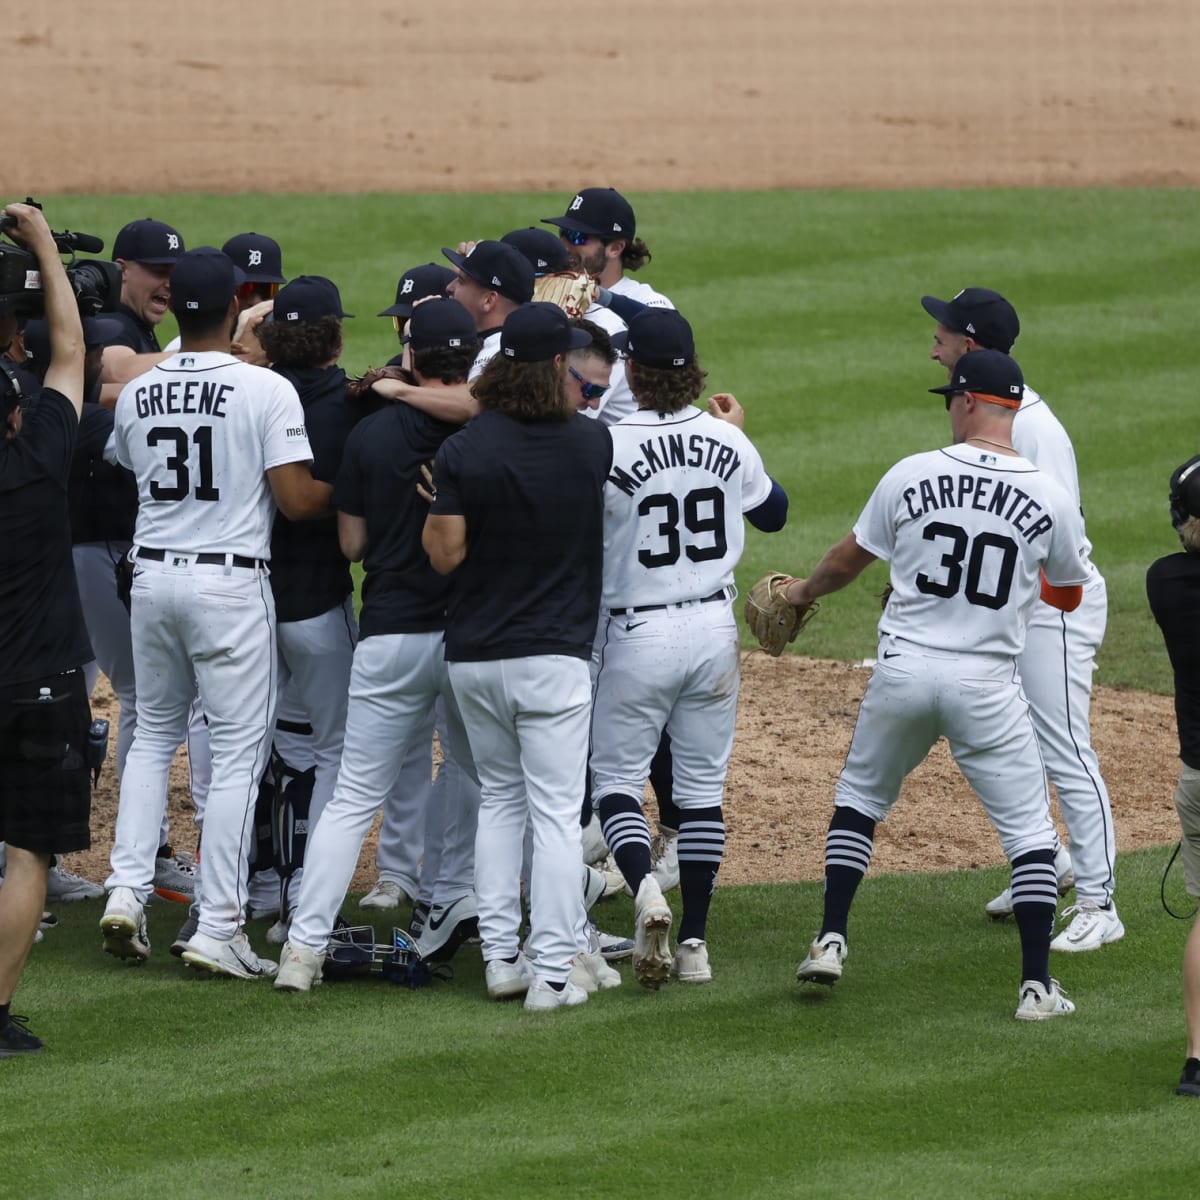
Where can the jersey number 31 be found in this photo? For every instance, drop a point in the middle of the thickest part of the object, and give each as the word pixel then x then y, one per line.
pixel 177 462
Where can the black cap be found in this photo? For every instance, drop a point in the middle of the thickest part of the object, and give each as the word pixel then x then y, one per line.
pixel 988 375
pixel 203 280
pixel 498 266
pixel 537 332
pixel 1185 491
pixel 661 338
pixel 308 298
pixel 148 241
pixel 97 331
pixel 545 251
pixel 602 212
pixel 259 257
pixel 415 284
pixel 441 322
pixel 979 313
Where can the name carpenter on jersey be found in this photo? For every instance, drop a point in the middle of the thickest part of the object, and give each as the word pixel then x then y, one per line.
pixel 983 494
pixel 676 450
pixel 205 398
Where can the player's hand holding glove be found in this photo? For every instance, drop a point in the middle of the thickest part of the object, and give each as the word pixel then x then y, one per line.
pixel 573 293
pixel 357 389
pixel 771 617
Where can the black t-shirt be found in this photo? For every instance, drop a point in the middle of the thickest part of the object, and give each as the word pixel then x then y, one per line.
pixel 532 494
pixel 137 334
pixel 1173 588
pixel 41 619
pixel 378 481
pixel 309 573
pixel 102 496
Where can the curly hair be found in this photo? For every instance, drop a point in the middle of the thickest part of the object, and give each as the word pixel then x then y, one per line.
pixel 448 364
pixel 528 391
pixel 635 255
pixel 1189 535
pixel 601 347
pixel 666 390
pixel 303 344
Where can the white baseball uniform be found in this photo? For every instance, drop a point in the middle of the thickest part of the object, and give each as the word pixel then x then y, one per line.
pixel 200 431
pixel 1057 666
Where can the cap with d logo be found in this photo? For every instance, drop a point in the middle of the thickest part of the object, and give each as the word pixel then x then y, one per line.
pixel 259 257
pixel 601 212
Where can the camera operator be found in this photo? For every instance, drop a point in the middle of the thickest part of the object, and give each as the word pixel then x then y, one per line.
pixel 45 797
pixel 1173 589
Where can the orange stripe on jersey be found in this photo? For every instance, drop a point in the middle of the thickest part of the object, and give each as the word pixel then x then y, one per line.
pixel 1003 401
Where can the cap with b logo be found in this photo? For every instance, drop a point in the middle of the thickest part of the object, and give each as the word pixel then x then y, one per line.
pixel 259 257
pixel 148 241
pixel 440 322
pixel 308 298
pixel 203 280
pixel 415 284
pixel 661 338
pixel 986 375
pixel 545 252
pixel 497 266
pixel 979 313
pixel 537 332
pixel 601 212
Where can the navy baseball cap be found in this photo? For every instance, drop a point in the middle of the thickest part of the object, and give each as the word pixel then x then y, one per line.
pixel 987 375
pixel 148 241
pixel 204 279
pixel 415 284
pixel 498 266
pixel 545 252
pixel 601 212
pixel 979 313
pixel 440 323
pixel 308 298
pixel 537 332
pixel 259 257
pixel 661 338
pixel 97 331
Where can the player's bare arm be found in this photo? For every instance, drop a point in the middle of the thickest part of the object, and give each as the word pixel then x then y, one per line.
pixel 453 404
pixel 841 564
pixel 352 535
pixel 299 496
pixel 445 541
pixel 120 364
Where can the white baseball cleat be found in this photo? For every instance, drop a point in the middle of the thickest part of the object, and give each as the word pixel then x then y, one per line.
pixel 651 941
pixel 1038 1004
pixel 1000 906
pixel 1091 927
pixel 386 893
pixel 611 946
pixel 63 887
pixel 233 957
pixel 447 927
pixel 664 857
pixel 505 979
pixel 124 926
pixel 277 935
pixel 825 958
pixel 541 997
pixel 299 969
pixel 595 848
pixel 691 962
pixel 590 972
pixel 594 886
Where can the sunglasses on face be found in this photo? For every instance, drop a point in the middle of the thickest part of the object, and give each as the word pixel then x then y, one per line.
pixel 590 391
pixel 575 237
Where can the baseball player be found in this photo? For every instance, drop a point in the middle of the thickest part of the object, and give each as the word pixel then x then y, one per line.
pixel 970 532
pixel 518 498
pixel 214 444
pixel 1058 661
pixel 398 671
pixel 414 285
pixel 681 479
pixel 1173 589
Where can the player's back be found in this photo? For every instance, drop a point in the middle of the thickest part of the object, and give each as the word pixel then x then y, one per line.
pixel 200 431
pixel 967 532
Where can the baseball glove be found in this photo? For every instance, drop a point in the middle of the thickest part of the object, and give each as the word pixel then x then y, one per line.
pixel 772 619
pixel 358 389
pixel 574 294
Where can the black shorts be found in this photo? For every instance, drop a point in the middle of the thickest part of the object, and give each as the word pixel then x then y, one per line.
pixel 45 786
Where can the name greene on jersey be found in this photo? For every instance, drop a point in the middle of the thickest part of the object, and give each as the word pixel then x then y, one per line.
pixel 676 450
pixel 202 397
pixel 982 493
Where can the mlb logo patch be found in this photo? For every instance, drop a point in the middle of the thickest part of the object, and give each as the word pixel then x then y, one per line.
pixel 193 304
pixel 292 316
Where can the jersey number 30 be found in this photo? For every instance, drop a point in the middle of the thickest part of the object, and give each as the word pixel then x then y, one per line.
pixel 976 552
pixel 177 463
pixel 703 513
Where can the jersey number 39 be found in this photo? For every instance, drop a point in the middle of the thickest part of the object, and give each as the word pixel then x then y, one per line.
pixel 178 487
pixel 703 514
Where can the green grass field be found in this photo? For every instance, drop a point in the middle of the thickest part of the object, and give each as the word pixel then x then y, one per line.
pixel 911 1078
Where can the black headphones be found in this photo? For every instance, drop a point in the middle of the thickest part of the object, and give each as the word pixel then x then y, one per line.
pixel 11 394
pixel 1185 491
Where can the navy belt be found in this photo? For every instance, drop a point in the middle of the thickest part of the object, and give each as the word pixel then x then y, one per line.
pixel 207 560
pixel 722 594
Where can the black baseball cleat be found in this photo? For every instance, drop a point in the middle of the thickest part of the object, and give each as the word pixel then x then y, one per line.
pixel 447 927
pixel 1189 1081
pixel 16 1039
